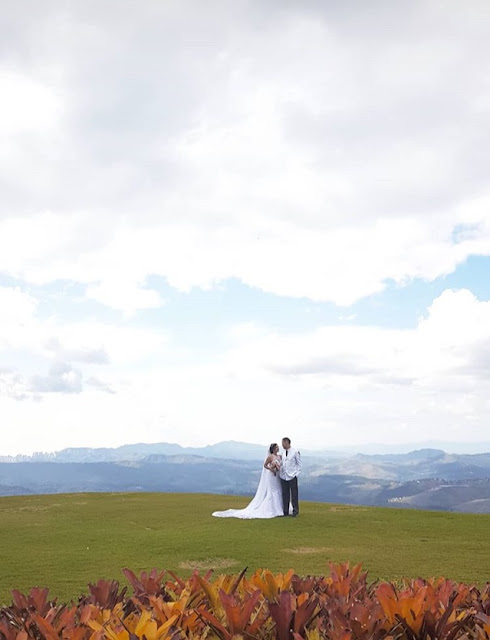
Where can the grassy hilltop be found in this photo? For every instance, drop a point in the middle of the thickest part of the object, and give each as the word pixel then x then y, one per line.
pixel 66 541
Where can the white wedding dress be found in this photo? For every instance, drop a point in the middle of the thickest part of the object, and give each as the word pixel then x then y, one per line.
pixel 267 502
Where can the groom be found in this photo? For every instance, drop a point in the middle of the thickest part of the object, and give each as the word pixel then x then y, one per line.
pixel 289 472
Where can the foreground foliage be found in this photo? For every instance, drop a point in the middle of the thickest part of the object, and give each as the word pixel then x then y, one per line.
pixel 341 606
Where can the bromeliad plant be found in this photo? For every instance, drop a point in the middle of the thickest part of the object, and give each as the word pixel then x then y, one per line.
pixel 342 605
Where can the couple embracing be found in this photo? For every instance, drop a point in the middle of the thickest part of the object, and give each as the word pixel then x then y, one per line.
pixel 277 493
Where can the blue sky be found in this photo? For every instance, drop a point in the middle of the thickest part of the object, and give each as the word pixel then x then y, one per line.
pixel 244 220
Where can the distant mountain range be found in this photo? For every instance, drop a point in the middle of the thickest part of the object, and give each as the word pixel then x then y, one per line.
pixel 237 450
pixel 229 449
pixel 426 478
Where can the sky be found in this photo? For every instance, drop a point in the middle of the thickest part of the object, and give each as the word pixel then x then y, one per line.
pixel 243 220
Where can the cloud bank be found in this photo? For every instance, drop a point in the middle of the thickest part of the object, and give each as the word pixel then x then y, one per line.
pixel 315 151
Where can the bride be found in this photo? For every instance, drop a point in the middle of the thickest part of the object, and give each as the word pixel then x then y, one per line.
pixel 267 502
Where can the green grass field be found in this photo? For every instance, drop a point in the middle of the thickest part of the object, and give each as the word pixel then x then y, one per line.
pixel 66 541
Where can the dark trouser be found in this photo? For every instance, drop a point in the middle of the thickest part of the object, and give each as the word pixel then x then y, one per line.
pixel 290 494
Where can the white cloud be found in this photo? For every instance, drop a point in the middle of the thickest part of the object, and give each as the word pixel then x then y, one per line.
pixel 121 346
pixel 325 388
pixel 12 385
pixel 16 316
pixel 61 377
pixel 27 105
pixel 309 158
pixel 41 355
pixel 126 296
pixel 97 355
pixel 17 307
pixel 99 384
pixel 340 264
pixel 442 346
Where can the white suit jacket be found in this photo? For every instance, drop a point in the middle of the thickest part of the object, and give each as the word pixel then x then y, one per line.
pixel 291 464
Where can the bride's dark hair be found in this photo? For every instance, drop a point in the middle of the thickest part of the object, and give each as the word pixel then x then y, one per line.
pixel 272 447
